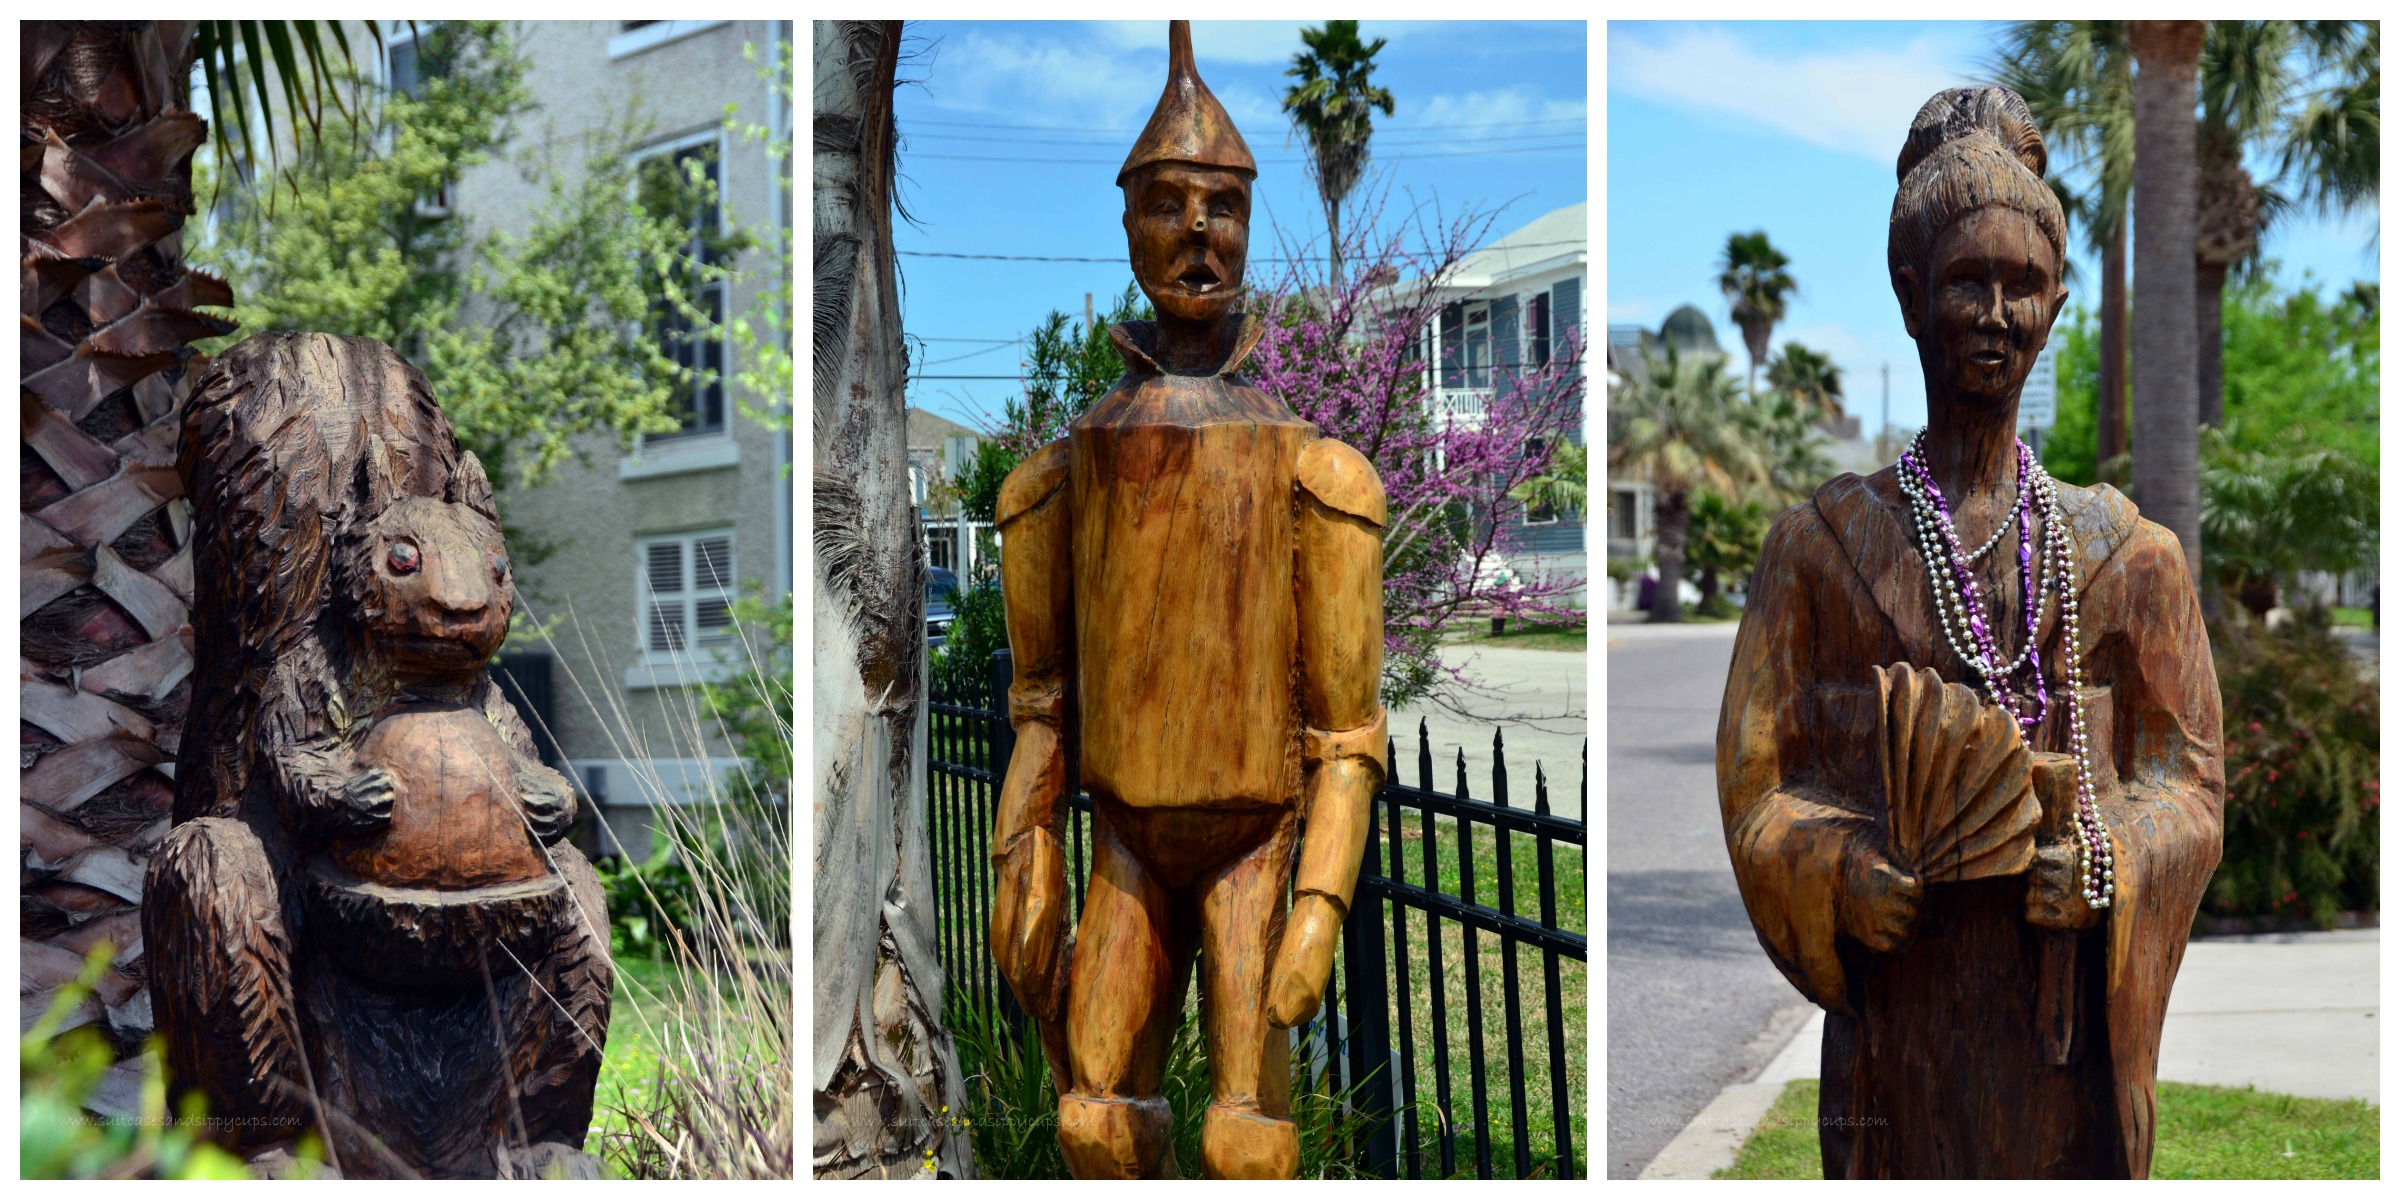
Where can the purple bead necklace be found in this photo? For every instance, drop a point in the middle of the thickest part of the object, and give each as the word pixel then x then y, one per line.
pixel 2017 683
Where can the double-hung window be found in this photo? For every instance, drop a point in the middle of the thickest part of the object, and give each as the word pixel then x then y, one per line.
pixel 662 179
pixel 686 592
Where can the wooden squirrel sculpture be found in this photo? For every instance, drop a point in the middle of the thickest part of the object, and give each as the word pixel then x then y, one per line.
pixel 364 921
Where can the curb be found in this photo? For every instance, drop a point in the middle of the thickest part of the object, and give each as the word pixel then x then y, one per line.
pixel 1711 1140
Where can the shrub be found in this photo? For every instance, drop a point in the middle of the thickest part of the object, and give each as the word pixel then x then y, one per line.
pixel 2302 796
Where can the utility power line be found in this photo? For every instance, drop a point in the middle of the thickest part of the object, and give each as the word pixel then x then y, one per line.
pixel 1577 144
pixel 1119 258
pixel 1379 140
pixel 1126 132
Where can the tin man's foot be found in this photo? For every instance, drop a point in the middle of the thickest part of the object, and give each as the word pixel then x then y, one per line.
pixel 1243 1143
pixel 1114 1137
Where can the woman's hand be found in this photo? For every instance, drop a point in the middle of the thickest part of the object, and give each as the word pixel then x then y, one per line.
pixel 2054 889
pixel 1877 906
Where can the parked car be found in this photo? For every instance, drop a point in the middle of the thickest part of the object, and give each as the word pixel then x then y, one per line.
pixel 941 584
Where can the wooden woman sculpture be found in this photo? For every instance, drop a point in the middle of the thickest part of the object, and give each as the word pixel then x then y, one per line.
pixel 364 922
pixel 1193 581
pixel 1970 754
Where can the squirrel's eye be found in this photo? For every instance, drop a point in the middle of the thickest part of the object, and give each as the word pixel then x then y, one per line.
pixel 404 557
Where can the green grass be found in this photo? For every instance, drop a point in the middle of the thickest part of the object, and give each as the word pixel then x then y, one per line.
pixel 1007 1108
pixel 1568 638
pixel 2203 1133
pixel 1455 1033
pixel 2354 616
pixel 641 1006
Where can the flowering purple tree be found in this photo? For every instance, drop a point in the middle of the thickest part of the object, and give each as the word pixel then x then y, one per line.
pixel 1346 353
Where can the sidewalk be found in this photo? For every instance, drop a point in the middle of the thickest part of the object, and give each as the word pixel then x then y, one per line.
pixel 2296 1013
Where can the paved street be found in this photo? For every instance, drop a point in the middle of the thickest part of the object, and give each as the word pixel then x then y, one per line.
pixel 1689 989
pixel 1540 701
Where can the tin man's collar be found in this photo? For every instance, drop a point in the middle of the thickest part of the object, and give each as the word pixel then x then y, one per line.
pixel 1138 342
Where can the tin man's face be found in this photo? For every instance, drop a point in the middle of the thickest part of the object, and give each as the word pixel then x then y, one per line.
pixel 1187 230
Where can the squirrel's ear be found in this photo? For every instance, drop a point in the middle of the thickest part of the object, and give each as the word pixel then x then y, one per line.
pixel 469 485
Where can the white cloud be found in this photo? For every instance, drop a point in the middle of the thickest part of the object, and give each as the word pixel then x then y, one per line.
pixel 1857 102
pixel 1487 108
pixel 1037 80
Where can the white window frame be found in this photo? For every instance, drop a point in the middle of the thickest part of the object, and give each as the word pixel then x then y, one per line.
pixel 646 457
pixel 654 35
pixel 689 596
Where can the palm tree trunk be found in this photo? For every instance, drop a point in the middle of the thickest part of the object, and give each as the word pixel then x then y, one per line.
pixel 2209 337
pixel 1333 241
pixel 106 305
pixel 2166 431
pixel 1673 512
pixel 2112 351
pixel 882 1059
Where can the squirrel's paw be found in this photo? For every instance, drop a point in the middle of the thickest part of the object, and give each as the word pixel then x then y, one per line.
pixel 365 799
pixel 549 802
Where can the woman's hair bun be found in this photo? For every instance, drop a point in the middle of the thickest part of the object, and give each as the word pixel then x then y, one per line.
pixel 1963 112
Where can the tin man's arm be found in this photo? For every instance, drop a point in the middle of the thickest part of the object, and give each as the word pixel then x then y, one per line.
pixel 1032 910
pixel 1339 586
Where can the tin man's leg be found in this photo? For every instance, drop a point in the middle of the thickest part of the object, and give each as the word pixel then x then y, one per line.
pixel 1248 1132
pixel 1124 998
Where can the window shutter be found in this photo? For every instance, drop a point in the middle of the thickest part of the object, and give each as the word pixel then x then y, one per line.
pixel 1505 355
pixel 1566 308
pixel 1454 345
pixel 712 562
pixel 666 627
pixel 712 619
pixel 666 568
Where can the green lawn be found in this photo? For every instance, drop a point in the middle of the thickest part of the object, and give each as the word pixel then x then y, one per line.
pixel 629 1068
pixel 2203 1133
pixel 2354 616
pixel 1522 636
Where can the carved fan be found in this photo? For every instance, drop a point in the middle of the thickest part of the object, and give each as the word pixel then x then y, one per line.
pixel 1957 783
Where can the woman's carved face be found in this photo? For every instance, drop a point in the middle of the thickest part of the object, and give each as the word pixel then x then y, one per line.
pixel 1984 311
pixel 433 586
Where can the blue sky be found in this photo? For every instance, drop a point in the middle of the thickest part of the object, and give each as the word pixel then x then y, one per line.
pixel 1489 114
pixel 1792 127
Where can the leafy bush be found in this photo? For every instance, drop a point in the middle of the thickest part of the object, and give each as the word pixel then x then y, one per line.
pixel 978 629
pixel 60 1071
pixel 2303 800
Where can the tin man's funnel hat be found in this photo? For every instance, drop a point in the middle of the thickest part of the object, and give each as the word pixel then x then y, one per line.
pixel 1189 125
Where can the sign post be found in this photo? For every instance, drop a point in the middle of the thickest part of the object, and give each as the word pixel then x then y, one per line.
pixel 2037 405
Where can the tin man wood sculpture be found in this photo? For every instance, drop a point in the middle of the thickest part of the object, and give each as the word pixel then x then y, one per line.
pixel 1970 755
pixel 364 922
pixel 1193 581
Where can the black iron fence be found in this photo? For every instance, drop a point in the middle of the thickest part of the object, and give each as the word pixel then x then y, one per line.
pixel 1468 925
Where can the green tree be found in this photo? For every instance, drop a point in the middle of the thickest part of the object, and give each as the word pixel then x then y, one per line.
pixel 1561 486
pixel 1332 106
pixel 1753 278
pixel 1683 425
pixel 2301 369
pixel 2271 514
pixel 521 335
pixel 2077 78
pixel 1809 378
pixel 1722 543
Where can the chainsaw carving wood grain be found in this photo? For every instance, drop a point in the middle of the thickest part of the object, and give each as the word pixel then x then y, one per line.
pixel 364 922
pixel 1984 1019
